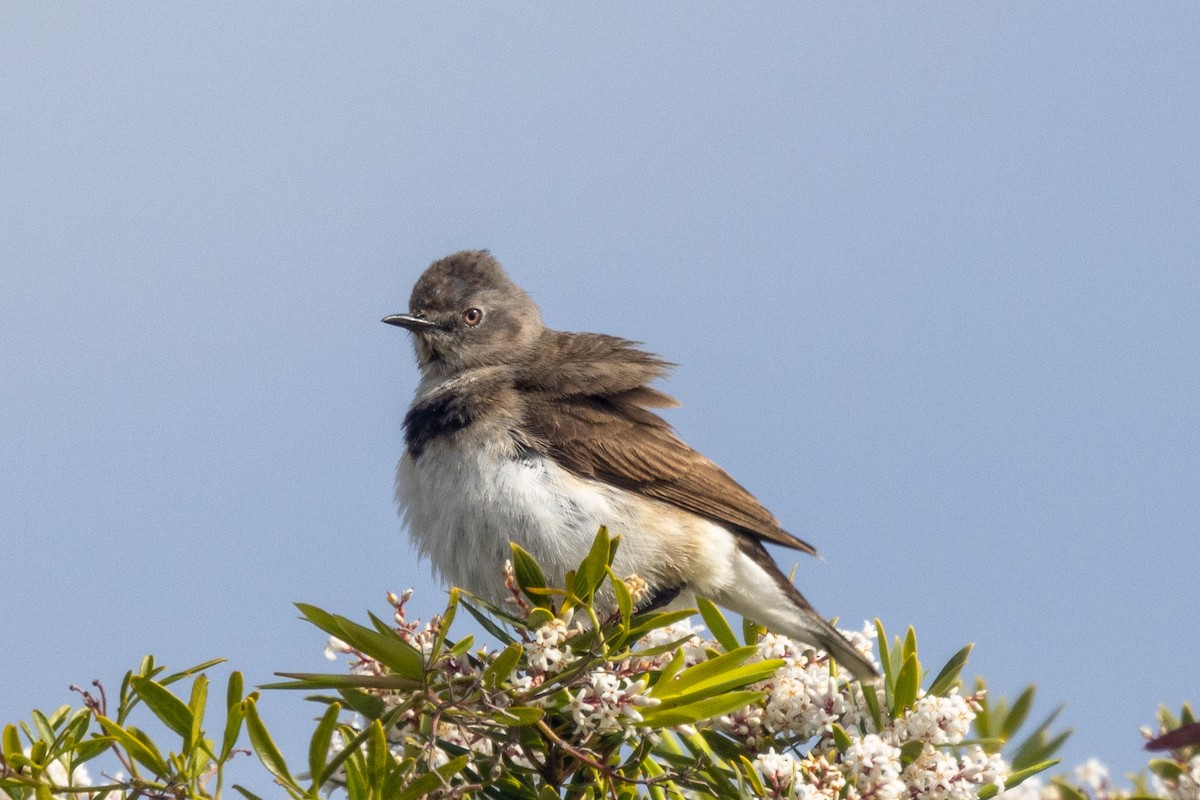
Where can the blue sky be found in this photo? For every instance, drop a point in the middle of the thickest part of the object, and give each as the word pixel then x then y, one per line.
pixel 931 272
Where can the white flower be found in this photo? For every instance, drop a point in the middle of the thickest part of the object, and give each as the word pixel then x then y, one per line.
pixel 936 720
pixel 546 652
pixel 1092 775
pixel 778 769
pixel 335 646
pixel 608 703
pixel 874 767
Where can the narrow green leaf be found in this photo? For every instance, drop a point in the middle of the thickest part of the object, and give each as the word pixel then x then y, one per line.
pixel 233 691
pixel 1017 714
pixel 946 679
pixel 885 657
pixel 246 793
pixel 1015 778
pixel 519 715
pixel 502 666
pixel 694 676
pixel 910 750
pixel 173 712
pixel 145 754
pixel 197 704
pixel 183 673
pixel 528 574
pixel 377 754
pixel 717 624
pixel 668 675
pixel 841 739
pixel 1068 792
pixel 643 623
pixel 11 742
pixel 659 717
pixel 1165 769
pixel 363 702
pixel 439 641
pixel 624 598
pixel 318 745
pixel 42 725
pixel 264 747
pixel 91 748
pixel 907 683
pixel 387 648
pixel 488 625
pixel 751 631
pixel 234 716
pixel 871 698
pixel 321 680
pixel 910 644
pixel 426 783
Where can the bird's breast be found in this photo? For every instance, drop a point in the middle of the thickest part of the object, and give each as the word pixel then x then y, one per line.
pixel 465 498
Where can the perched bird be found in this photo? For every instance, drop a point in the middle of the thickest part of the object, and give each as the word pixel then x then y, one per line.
pixel 523 434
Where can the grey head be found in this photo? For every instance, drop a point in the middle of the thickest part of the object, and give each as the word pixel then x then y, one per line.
pixel 465 313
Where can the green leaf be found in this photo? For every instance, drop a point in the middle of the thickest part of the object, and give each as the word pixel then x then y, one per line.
pixel 519 715
pixel 234 716
pixel 264 746
pixel 233 693
pixel 909 751
pixel 318 745
pixel 321 680
pixel 751 631
pixel 907 683
pixel 946 679
pixel 717 624
pixel 660 717
pixel 363 702
pixel 173 712
pixel 184 673
pixel 246 793
pixel 1015 778
pixel 885 657
pixel 624 598
pixel 11 742
pixel 139 750
pixel 387 648
pixel 1017 714
pixel 490 626
pixel 841 739
pixel 432 780
pixel 91 748
pixel 502 666
pixel 910 644
pixel 528 575
pixel 714 669
pixel 377 754
pixel 444 627
pixel 871 698
pixel 42 725
pixel 1068 792
pixel 593 568
pixel 197 704
pixel 1165 768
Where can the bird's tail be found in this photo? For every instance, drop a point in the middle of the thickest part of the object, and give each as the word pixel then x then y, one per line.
pixel 844 653
pixel 764 594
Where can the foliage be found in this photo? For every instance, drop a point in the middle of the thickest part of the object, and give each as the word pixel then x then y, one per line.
pixel 579 696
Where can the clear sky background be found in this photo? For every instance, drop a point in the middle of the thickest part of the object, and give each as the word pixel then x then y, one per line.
pixel 931 272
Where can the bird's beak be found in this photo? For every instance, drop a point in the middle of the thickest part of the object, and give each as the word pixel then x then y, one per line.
pixel 409 321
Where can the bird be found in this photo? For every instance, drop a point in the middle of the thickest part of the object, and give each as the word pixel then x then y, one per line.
pixel 522 434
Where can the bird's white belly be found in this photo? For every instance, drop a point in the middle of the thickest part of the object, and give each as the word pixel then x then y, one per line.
pixel 464 502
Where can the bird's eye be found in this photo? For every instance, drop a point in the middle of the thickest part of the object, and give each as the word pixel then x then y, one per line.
pixel 472 316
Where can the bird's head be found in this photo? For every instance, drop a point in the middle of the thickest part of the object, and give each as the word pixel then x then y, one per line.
pixel 465 313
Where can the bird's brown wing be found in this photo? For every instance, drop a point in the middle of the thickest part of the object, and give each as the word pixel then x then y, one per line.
pixel 615 439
